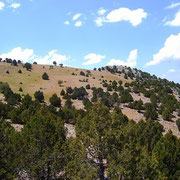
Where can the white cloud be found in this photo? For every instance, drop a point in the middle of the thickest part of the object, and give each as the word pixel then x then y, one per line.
pixel 19 54
pixel 134 17
pixel 15 5
pixel 171 70
pixel 76 16
pixel 99 21
pixel 93 59
pixel 131 61
pixel 52 56
pixel 175 21
pixel 27 55
pixel 170 51
pixel 66 22
pixel 1 5
pixel 78 24
pixel 173 5
pixel 101 11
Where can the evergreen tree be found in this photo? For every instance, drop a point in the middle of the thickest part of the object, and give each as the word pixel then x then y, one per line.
pixel 62 92
pixel 139 105
pixel 45 76
pixel 166 155
pixel 55 100
pixel 39 96
pixel 28 66
pixel 42 147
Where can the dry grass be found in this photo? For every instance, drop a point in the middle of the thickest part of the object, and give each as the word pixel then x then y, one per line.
pixel 32 80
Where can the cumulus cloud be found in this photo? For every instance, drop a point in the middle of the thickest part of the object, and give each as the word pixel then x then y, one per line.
pixel 131 61
pixel 52 56
pixel 76 16
pixel 66 22
pixel 28 55
pixel 78 24
pixel 171 70
pixel 175 21
pixel 173 5
pixel 101 11
pixel 93 59
pixel 1 5
pixel 134 17
pixel 15 5
pixel 19 54
pixel 99 21
pixel 170 51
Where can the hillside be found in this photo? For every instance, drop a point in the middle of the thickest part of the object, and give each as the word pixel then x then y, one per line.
pixel 112 122
pixel 31 81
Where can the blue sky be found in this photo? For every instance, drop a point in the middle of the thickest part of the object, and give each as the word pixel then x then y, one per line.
pixel 93 33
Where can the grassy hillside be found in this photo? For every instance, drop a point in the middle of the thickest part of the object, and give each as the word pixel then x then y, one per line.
pixel 142 86
pixel 32 80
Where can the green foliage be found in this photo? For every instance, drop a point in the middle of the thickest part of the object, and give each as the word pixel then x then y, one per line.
pixel 55 100
pixel 68 103
pixel 88 86
pixel 39 96
pixel 54 62
pixel 19 71
pixel 125 97
pixel 166 115
pixel 5 110
pixel 166 156
pixel 9 151
pixel 20 89
pixel 114 84
pixel 14 63
pixel 28 66
pixel 79 93
pixel 82 73
pixel 45 76
pixel 60 82
pixel 4 87
pixel 42 146
pixel 62 92
pixel 69 90
pixel 150 112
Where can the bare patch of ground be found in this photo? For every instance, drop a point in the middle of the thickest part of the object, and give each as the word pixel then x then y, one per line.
pixel 70 130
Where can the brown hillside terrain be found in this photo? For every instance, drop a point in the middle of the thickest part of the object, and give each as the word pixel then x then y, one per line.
pixel 31 81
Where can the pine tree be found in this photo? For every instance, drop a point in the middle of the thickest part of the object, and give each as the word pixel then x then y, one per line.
pixel 41 155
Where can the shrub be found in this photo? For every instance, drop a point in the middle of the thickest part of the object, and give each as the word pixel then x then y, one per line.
pixel 62 92
pixel 28 66
pixel 126 97
pixel 55 100
pixel 14 62
pixel 19 71
pixel 20 89
pixel 69 90
pixel 166 115
pixel 39 96
pixel 45 76
pixel 88 86
pixel 60 82
pixel 82 73
pixel 7 72
pixel 54 62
